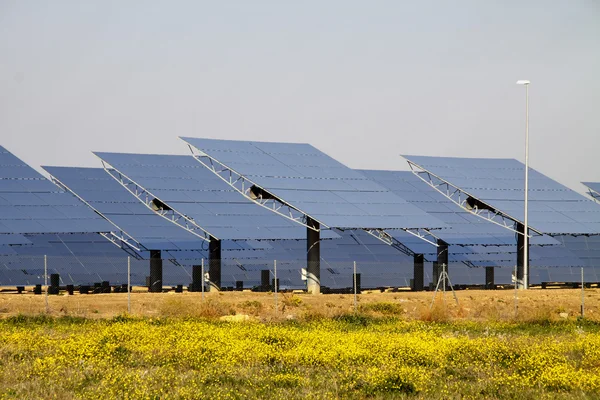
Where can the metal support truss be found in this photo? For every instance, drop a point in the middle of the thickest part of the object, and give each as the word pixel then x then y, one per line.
pixel 171 215
pixel 120 238
pixel 395 243
pixel 459 197
pixel 390 240
pixel 122 243
pixel 594 195
pixel 271 202
pixel 244 186
pixel 423 234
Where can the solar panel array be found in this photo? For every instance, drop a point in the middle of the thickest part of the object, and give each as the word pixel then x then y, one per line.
pixel 29 203
pixel 88 258
pixel 112 200
pixel 188 187
pixel 78 258
pixel 553 208
pixel 486 244
pixel 587 248
pixel 464 227
pixel 84 259
pixel 316 184
pixel 108 197
pixel 308 179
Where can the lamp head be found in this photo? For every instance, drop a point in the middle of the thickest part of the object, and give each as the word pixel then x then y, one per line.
pixel 523 82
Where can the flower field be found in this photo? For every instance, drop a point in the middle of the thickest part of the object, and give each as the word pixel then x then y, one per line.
pixel 350 356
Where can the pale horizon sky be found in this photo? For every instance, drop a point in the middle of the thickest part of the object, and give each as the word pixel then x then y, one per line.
pixel 363 82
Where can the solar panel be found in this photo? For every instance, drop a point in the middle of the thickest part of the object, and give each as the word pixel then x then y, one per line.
pixel 29 203
pixel 13 239
pixel 194 191
pixel 316 184
pixel 89 258
pixel 553 208
pixel 464 228
pixel 124 210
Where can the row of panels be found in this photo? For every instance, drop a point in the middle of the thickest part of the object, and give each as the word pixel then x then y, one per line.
pixel 308 179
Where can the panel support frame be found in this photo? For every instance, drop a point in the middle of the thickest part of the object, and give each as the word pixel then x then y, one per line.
pixel 275 204
pixel 594 195
pixel 459 197
pixel 120 238
pixel 388 239
pixel 146 197
pixel 242 185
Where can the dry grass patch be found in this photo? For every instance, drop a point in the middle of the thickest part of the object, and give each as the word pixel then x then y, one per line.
pixel 383 308
pixel 211 308
pixel 253 307
pixel 476 305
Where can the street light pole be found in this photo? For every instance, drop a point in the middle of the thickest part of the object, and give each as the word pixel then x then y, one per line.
pixel 525 284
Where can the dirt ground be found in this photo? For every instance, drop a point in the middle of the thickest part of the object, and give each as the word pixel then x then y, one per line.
pixel 476 305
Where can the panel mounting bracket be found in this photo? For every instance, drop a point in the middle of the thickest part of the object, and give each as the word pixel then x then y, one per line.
pixel 244 186
pixel 123 244
pixel 594 195
pixel 388 239
pixel 147 198
pixel 460 197
pixel 120 237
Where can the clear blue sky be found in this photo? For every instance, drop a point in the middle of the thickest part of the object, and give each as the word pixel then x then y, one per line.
pixel 362 81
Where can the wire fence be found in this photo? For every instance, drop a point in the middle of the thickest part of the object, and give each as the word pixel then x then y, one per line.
pixel 237 274
pixel 52 275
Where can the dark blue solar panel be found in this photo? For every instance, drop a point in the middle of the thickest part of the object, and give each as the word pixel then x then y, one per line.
pixel 31 204
pixel 307 178
pixel 124 210
pixel 8 159
pixel 465 228
pixel 375 274
pixel 554 208
pixel 13 239
pixel 190 189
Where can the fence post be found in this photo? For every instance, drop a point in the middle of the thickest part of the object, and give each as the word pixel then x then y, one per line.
pixel 275 284
pixel 203 278
pixel 355 289
pixel 516 283
pixel 582 298
pixel 129 285
pixel 46 281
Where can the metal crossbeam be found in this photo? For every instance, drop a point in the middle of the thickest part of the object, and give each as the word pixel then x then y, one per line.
pixel 386 238
pixel 459 197
pixel 423 234
pixel 123 244
pixel 171 215
pixel 125 240
pixel 470 264
pixel 390 240
pixel 120 238
pixel 594 195
pixel 244 185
